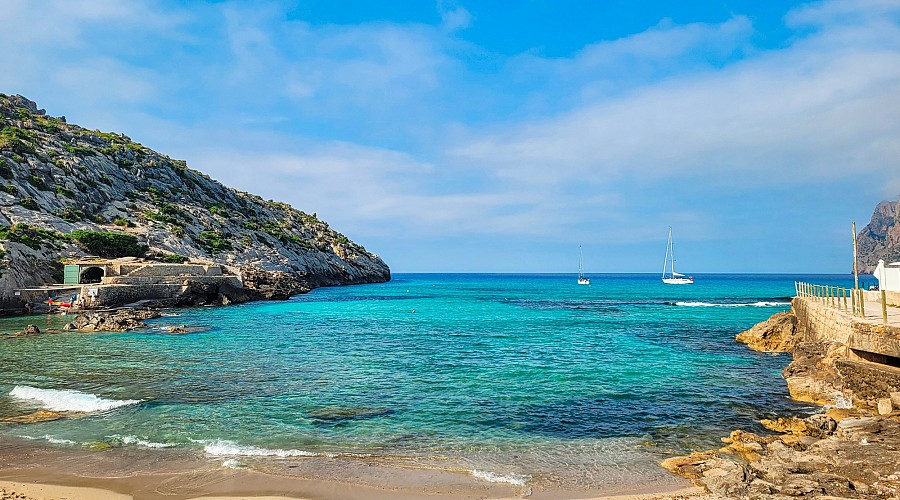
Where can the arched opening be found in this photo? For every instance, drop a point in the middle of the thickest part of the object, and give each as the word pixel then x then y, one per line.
pixel 92 275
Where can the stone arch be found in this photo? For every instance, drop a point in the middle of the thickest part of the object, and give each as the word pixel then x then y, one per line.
pixel 92 274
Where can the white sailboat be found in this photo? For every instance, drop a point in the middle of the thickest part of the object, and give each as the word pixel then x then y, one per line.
pixel 582 279
pixel 673 278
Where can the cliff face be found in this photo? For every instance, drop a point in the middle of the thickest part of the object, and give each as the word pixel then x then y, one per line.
pixel 57 178
pixel 880 239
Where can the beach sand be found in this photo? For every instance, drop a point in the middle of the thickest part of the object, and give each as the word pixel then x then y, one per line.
pixel 11 490
pixel 34 470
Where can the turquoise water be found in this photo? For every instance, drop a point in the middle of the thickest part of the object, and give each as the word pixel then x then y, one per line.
pixel 516 376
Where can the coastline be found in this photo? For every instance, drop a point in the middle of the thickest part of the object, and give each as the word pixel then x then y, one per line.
pixel 43 471
pixel 332 478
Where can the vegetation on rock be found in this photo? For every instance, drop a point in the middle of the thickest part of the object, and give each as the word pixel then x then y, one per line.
pixel 73 179
pixel 112 245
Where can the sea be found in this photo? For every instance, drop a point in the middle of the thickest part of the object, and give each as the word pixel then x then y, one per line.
pixel 510 378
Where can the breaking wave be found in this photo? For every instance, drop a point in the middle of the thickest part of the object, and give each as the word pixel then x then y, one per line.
pixel 67 400
pixel 513 479
pixel 761 303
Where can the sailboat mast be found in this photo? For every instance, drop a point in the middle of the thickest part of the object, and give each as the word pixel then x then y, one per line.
pixel 672 244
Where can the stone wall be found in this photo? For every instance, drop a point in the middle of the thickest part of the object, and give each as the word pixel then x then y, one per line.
pixel 820 323
pixel 117 295
pixel 868 380
pixel 170 270
pixel 841 353
pixel 169 280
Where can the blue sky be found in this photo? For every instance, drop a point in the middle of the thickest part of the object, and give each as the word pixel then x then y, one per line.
pixel 476 136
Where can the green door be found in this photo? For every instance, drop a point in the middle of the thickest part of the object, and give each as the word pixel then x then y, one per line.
pixel 71 274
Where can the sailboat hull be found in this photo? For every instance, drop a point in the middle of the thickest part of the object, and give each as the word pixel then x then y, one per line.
pixel 678 281
pixel 584 281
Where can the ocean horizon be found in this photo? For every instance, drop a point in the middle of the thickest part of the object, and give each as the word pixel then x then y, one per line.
pixel 521 379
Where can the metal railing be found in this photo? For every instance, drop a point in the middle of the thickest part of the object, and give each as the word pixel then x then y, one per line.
pixel 849 300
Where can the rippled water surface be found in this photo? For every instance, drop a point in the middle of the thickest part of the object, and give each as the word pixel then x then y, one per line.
pixel 511 376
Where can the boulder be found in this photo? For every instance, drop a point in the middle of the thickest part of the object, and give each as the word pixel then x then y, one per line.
pixel 885 406
pixel 777 334
pixel 115 321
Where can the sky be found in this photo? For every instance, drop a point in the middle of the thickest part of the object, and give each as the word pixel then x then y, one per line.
pixel 483 136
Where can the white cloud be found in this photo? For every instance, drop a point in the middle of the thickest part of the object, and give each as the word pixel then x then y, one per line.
pixel 798 113
pixel 453 17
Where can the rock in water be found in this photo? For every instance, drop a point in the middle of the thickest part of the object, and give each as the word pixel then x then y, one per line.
pixel 338 413
pixel 116 321
pixel 38 416
pixel 777 334
pixel 31 330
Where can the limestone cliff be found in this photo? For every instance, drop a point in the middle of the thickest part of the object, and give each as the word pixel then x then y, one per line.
pixel 880 239
pixel 61 185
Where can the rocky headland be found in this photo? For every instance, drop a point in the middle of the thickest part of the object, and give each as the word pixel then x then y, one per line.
pixel 880 238
pixel 851 450
pixel 67 192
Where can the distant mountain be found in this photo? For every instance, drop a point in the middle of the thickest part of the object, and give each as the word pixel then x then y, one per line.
pixel 66 191
pixel 880 239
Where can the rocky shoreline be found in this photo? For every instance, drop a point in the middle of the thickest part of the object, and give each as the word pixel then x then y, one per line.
pixel 846 452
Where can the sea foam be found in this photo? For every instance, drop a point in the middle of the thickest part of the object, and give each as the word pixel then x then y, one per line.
pixel 224 448
pixel 50 439
pixel 67 400
pixel 129 440
pixel 761 303
pixel 513 479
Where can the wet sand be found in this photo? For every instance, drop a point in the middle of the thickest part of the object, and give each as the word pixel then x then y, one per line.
pixel 38 471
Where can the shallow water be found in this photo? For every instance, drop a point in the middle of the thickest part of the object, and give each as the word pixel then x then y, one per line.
pixel 514 378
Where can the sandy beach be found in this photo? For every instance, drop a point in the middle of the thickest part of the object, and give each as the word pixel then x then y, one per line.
pixel 13 490
pixel 30 470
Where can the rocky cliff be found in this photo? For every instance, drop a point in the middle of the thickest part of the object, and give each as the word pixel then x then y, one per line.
pixel 66 191
pixel 880 239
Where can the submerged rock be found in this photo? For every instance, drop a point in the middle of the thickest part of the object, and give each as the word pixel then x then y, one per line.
pixel 38 416
pixel 337 413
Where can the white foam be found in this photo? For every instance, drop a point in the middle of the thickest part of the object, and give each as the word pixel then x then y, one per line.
pixel 50 439
pixel 66 400
pixel 231 463
pixel 762 303
pixel 128 440
pixel 224 448
pixel 513 479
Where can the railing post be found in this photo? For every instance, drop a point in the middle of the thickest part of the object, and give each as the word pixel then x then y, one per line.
pixel 862 303
pixel 883 307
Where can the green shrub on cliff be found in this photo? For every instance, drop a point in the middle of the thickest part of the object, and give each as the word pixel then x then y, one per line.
pixel 174 258
pixel 213 242
pixel 28 235
pixel 106 244
pixel 29 203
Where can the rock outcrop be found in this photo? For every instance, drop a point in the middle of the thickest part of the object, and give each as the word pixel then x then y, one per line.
pixel 117 321
pixel 880 239
pixel 777 334
pixel 814 457
pixel 57 179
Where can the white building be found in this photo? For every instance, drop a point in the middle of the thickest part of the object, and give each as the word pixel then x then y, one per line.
pixel 888 276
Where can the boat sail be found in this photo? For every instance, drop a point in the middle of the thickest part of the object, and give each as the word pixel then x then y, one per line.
pixel 673 278
pixel 582 279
